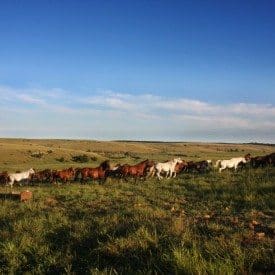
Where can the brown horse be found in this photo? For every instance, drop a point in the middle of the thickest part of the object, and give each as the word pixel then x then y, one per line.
pixel 63 175
pixel 97 173
pixel 271 159
pixel 138 170
pixel 42 176
pixel 262 161
pixel 113 172
pixel 181 167
pixel 199 166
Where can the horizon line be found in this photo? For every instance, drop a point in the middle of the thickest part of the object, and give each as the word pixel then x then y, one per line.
pixel 141 140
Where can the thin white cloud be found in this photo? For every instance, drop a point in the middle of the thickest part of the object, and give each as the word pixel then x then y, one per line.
pixel 123 114
pixel 30 99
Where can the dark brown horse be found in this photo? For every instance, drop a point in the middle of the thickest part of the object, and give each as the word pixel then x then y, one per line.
pixel 271 159
pixel 63 175
pixel 42 176
pixel 262 161
pixel 138 170
pixel 96 173
pixel 113 172
pixel 199 166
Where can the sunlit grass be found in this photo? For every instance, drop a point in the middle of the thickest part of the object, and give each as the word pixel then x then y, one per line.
pixel 193 224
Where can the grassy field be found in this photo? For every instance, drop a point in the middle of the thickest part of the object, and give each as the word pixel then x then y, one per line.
pixel 193 224
pixel 17 154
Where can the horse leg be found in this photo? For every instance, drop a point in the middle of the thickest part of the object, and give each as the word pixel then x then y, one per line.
pixel 126 178
pixel 83 179
pixel 102 180
pixel 11 183
pixel 158 175
pixel 105 179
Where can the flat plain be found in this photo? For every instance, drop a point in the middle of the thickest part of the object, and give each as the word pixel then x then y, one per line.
pixel 194 224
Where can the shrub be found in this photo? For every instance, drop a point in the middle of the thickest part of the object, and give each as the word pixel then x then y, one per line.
pixel 61 159
pixel 80 158
pixel 37 155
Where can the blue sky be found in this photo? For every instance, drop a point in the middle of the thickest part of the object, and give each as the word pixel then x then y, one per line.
pixel 165 70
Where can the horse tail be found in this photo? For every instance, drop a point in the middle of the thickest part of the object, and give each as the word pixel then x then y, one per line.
pixel 8 180
pixel 149 171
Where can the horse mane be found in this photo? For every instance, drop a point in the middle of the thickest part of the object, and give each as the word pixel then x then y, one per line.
pixel 143 161
pixel 247 156
pixel 105 165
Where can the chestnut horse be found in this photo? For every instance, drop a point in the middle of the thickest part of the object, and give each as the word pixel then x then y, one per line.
pixel 138 170
pixel 181 167
pixel 97 173
pixel 63 175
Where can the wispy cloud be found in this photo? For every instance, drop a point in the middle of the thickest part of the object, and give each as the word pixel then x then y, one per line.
pixel 30 99
pixel 108 114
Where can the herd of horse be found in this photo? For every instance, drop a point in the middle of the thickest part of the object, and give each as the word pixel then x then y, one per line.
pixel 144 169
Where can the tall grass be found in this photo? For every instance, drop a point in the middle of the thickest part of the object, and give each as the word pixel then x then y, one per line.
pixel 193 224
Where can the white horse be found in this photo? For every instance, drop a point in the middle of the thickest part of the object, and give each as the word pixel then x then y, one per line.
pixel 229 163
pixel 167 167
pixel 19 176
pixel 217 164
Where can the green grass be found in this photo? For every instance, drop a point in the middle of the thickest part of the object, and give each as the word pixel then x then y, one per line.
pixel 144 227
pixel 16 154
pixel 193 224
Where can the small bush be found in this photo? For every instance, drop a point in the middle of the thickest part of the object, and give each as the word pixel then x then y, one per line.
pixel 62 159
pixel 80 158
pixel 37 155
pixel 233 150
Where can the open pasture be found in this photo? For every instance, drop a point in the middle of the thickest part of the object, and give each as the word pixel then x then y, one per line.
pixel 195 223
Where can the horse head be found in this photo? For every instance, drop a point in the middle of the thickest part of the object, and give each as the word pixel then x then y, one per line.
pixel 72 170
pixel 105 165
pixel 178 160
pixel 150 163
pixel 31 171
pixel 247 157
